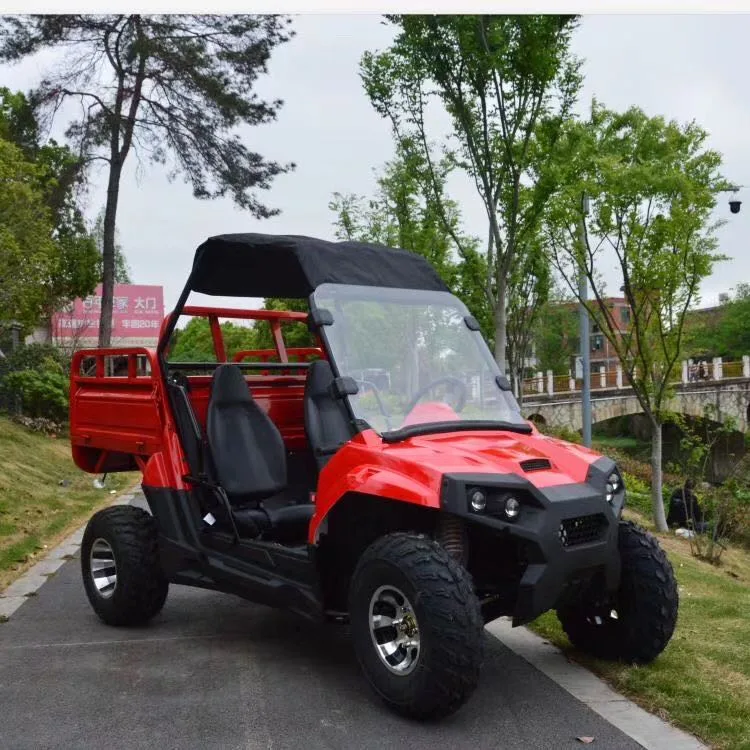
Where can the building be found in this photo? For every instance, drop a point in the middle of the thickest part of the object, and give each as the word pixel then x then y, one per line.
pixel 603 354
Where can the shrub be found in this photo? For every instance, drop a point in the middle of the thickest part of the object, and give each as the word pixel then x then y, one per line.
pixel 41 393
pixel 42 357
pixel 727 514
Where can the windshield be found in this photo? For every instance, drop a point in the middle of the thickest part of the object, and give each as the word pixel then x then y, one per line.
pixel 415 359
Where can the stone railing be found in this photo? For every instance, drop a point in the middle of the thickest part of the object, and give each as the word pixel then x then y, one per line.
pixel 691 371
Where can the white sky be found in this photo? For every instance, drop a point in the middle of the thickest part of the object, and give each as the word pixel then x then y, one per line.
pixel 687 67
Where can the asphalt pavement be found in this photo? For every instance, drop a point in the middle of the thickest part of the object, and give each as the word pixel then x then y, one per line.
pixel 214 671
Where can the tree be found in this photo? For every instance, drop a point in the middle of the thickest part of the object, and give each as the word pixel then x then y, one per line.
pixel 296 335
pixel 194 342
pixel 27 251
pixel 528 289
pixel 403 213
pixel 58 175
pixel 555 333
pixel 653 185
pixel 499 78
pixel 173 88
pixel 726 332
pixel 122 269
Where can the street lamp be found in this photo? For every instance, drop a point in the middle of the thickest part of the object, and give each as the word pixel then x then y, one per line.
pixel 734 203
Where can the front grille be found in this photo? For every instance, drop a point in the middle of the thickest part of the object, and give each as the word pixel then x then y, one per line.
pixel 582 530
pixel 536 464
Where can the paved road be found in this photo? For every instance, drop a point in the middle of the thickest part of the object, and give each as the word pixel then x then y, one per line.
pixel 213 671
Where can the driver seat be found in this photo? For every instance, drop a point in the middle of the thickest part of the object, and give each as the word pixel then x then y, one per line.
pixel 249 460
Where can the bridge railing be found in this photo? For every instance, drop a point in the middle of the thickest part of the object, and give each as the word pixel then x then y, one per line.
pixel 549 384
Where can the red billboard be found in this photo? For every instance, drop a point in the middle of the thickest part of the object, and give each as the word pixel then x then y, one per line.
pixel 137 313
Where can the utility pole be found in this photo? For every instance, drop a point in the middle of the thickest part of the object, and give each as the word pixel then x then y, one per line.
pixel 583 288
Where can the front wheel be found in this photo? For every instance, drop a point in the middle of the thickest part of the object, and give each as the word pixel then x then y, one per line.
pixel 635 623
pixel 122 575
pixel 416 626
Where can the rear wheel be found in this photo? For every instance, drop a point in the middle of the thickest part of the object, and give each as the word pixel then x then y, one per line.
pixel 416 626
pixel 636 623
pixel 122 575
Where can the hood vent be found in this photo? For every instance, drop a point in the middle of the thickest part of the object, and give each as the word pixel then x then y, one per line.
pixel 536 464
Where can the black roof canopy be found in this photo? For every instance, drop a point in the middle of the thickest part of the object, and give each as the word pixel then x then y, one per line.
pixel 265 265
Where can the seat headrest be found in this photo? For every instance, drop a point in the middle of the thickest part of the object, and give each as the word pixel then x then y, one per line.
pixel 228 386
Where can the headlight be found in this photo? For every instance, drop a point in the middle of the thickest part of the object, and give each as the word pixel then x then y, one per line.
pixel 512 508
pixel 478 500
pixel 614 483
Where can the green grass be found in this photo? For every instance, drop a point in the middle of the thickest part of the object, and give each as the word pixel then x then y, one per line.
pixel 35 511
pixel 702 680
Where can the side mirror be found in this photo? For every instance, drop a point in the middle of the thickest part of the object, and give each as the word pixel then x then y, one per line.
pixel 734 206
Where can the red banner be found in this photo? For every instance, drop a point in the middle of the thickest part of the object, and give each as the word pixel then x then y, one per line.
pixel 137 313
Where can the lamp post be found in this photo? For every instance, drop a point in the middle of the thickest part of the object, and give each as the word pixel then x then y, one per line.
pixel 583 315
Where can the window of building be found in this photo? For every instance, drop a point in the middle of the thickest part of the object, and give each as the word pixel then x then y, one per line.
pixel 597 343
pixel 625 315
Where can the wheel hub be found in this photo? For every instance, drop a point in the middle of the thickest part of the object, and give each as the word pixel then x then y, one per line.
pixel 103 568
pixel 394 630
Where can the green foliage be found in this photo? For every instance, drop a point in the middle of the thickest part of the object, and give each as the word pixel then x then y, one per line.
pixel 28 252
pixel 555 335
pixel 403 213
pixel 194 343
pixel 177 84
pixel 653 185
pixel 42 393
pixel 173 87
pixel 72 269
pixel 500 79
pixel 726 506
pixel 726 333
pixel 39 357
pixel 296 335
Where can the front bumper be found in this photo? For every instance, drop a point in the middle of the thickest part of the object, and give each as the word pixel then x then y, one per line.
pixel 568 533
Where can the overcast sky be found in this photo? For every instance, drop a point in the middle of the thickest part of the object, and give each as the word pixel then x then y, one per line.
pixel 683 67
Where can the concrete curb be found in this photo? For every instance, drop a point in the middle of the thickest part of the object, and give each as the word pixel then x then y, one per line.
pixel 645 728
pixel 33 579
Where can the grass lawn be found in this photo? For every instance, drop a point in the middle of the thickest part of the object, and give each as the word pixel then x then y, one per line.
pixel 702 680
pixel 36 512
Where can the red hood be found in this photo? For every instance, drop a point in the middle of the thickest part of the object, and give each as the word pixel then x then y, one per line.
pixel 495 453
pixel 412 470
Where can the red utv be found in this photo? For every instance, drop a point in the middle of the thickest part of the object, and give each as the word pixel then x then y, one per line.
pixel 385 476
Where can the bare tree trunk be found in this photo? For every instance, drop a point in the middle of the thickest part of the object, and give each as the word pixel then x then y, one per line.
pixel 108 253
pixel 500 325
pixel 657 501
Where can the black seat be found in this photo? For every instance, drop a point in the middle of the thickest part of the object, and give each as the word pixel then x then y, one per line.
pixel 249 459
pixel 327 422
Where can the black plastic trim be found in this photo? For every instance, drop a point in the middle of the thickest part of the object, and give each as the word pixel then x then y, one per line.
pixel 345 386
pixel 434 428
pixel 195 555
pixel 472 323
pixel 551 566
pixel 319 317
pixel 502 382
pixel 176 366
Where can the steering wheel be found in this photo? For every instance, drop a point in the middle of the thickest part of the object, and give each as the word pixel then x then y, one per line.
pixel 369 385
pixel 459 385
